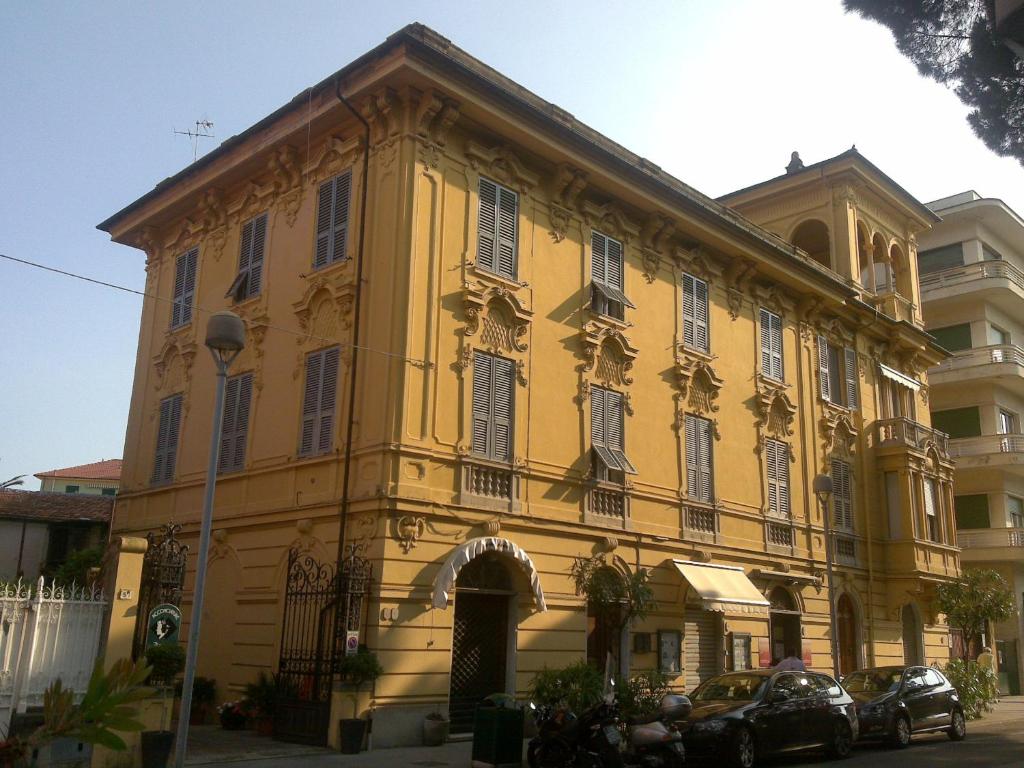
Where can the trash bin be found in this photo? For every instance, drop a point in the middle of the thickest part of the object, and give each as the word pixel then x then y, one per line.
pixel 497 737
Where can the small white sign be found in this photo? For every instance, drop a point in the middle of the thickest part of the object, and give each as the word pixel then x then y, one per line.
pixel 124 594
pixel 351 643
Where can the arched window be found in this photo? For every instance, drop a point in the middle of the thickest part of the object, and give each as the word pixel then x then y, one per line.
pixel 846 629
pixel 812 236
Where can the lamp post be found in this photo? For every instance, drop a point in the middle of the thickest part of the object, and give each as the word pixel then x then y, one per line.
pixel 823 490
pixel 225 338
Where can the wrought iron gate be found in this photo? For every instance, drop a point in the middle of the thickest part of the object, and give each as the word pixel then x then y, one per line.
pixel 163 578
pixel 479 640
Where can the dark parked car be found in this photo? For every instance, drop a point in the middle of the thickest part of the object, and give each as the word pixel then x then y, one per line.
pixel 740 716
pixel 895 702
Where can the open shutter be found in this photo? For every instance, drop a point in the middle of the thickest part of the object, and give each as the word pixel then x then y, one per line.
pixel 771 460
pixel 689 311
pixel 328 393
pixel 614 263
pixel 483 376
pixel 240 288
pixel 597 416
pixel 701 337
pixel 226 452
pixel 823 374
pixel 487 226
pixel 324 208
pixel 692 451
pixel 174 427
pixel 502 398
pixel 782 477
pixel 242 420
pixel 259 243
pixel 311 402
pixel 850 374
pixel 705 466
pixel 189 291
pixel 778 370
pixel 766 342
pixel 179 291
pixel 160 456
pixel 339 223
pixel 842 494
pixel 598 257
pixel 615 430
pixel 508 216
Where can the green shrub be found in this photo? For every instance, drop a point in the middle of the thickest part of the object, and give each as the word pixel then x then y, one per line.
pixel 263 693
pixel 359 668
pixel 642 694
pixel 167 662
pixel 976 684
pixel 204 690
pixel 577 686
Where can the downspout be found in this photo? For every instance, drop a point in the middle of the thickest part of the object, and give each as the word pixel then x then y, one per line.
pixel 347 467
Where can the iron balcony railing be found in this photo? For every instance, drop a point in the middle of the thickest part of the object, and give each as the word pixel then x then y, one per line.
pixel 991 537
pixel 970 358
pixel 902 431
pixel 970 272
pixel 986 444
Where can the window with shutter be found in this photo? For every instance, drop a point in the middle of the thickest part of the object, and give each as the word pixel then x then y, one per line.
pixel 235 423
pixel 184 288
pixel 695 314
pixel 167 439
pixel 607 273
pixel 842 495
pixel 777 460
pixel 771 345
pixel 333 202
pixel 497 229
pixel 318 402
pixel 493 406
pixel 837 372
pixel 252 244
pixel 607 433
pixel 699 471
pixel 850 377
pixel 931 509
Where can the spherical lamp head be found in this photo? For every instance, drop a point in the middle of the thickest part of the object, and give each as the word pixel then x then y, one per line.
pixel 225 334
pixel 823 487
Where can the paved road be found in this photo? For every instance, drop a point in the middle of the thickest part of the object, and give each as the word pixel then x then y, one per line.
pixel 997 741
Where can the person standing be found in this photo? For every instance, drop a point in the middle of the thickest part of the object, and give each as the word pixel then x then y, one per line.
pixel 792 662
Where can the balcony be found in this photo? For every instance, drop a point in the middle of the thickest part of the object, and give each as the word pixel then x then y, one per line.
pixel 607 505
pixel 1004 452
pixel 991 544
pixel 779 537
pixel 700 522
pixel 999 361
pixel 894 305
pixel 901 433
pixel 488 486
pixel 1000 282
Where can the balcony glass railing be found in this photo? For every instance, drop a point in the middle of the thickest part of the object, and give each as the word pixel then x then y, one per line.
pixel 970 272
pixel 903 431
pixel 986 444
pixel 991 537
pixel 969 358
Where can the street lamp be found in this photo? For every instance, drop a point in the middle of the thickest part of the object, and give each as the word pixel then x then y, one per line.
pixel 823 490
pixel 225 338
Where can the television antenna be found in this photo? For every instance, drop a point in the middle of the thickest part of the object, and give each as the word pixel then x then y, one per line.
pixel 204 130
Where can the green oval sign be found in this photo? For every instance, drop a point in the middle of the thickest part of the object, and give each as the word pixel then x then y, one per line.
pixel 163 625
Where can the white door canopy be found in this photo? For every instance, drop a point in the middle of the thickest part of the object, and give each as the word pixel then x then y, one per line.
pixel 445 579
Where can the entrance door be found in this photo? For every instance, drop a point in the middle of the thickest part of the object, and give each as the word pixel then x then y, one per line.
pixel 784 619
pixel 846 620
pixel 479 646
pixel 1009 680
pixel 911 636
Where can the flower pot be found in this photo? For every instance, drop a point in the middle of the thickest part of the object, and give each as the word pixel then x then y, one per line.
pixel 264 726
pixel 352 732
pixel 435 732
pixel 156 748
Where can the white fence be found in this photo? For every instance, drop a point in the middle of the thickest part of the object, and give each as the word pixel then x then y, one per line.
pixel 46 632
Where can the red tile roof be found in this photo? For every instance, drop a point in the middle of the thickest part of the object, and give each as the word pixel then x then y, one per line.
pixel 108 469
pixel 55 507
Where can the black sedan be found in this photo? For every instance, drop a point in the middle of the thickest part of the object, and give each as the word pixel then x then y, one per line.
pixel 895 702
pixel 740 716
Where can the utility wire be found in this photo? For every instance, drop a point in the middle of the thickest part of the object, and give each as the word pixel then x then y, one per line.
pixel 197 308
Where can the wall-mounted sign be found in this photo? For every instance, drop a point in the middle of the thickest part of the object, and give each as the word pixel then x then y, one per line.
pixel 163 625
pixel 740 650
pixel 669 652
pixel 351 643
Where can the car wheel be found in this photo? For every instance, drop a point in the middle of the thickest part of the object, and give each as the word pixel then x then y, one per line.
pixel 743 750
pixel 900 732
pixel 842 740
pixel 957 725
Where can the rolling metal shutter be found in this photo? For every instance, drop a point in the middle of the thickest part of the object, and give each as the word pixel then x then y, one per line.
pixel 701 643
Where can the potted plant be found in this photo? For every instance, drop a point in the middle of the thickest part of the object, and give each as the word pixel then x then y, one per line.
pixel 435 729
pixel 167 662
pixel 234 714
pixel 355 671
pixel 263 693
pixel 204 693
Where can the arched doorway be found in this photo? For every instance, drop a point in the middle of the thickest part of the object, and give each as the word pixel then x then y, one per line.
pixel 784 620
pixel 912 653
pixel 846 628
pixel 482 636
pixel 604 624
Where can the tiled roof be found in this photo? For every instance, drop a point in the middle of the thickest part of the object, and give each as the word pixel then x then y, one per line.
pixel 55 507
pixel 108 469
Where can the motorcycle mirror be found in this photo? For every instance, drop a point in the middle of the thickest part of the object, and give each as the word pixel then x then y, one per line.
pixel 533 706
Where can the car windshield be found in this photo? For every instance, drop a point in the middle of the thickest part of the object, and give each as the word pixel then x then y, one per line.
pixel 738 687
pixel 873 680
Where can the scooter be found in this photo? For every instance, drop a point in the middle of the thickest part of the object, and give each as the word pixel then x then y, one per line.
pixel 563 740
pixel 653 741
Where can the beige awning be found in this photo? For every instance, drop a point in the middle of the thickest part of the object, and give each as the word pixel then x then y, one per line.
pixel 723 588
pixel 900 378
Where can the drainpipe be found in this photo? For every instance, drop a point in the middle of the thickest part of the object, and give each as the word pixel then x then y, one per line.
pixel 347 471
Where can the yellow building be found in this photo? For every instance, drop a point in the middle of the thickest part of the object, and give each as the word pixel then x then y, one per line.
pixel 972 285
pixel 557 350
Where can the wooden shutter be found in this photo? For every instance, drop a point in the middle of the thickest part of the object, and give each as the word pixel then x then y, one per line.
pixel 850 374
pixel 482 378
pixel 235 423
pixel 614 263
pixel 771 345
pixel 167 439
pixel 339 222
pixel 487 226
pixel 689 311
pixel 328 395
pixel 227 425
pixel 240 288
pixel 259 243
pixel 311 403
pixel 771 461
pixel 332 211
pixel 502 400
pixel 597 416
pixel 324 208
pixel 695 313
pixel 704 467
pixel 777 455
pixel 823 374
pixel 184 287
pixel 692 475
pixel 599 257
pixel 842 495
pixel 508 227
pixel 160 454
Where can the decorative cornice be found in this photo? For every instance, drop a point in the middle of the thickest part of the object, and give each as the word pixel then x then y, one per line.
pixel 698 383
pixel 610 219
pixel 501 163
pixel 775 410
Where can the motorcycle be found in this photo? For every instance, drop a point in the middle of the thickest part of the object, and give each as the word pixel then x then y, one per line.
pixel 654 741
pixel 563 740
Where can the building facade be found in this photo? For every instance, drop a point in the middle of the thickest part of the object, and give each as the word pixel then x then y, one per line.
pixel 972 284
pixel 101 478
pixel 543 348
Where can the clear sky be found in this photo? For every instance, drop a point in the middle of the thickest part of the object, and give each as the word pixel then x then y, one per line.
pixel 716 92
